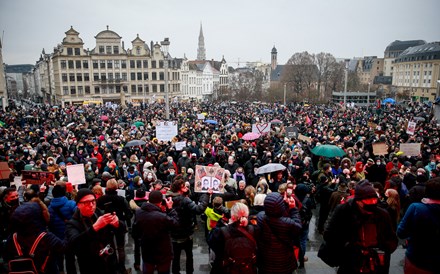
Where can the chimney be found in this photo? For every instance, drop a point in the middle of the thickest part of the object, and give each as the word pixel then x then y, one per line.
pixel 123 47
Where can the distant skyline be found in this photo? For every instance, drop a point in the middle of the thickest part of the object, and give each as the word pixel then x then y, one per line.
pixel 244 30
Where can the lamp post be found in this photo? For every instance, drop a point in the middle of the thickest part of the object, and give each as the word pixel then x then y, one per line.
pixel 165 45
pixel 368 95
pixel 285 94
pixel 346 80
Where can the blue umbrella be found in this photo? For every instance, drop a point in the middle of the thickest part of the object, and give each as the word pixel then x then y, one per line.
pixel 212 122
pixel 389 101
pixel 265 111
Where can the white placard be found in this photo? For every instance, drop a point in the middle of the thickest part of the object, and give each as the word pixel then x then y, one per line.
pixel 261 128
pixel 17 181
pixel 166 131
pixel 76 174
pixel 410 149
pixel 180 145
pixel 411 129
pixel 200 117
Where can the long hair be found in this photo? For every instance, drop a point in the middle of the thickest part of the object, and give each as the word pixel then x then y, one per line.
pixel 393 200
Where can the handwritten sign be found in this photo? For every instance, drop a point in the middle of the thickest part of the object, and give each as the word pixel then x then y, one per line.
pixel 291 132
pixel 200 117
pixel 380 149
pixel 180 145
pixel 76 174
pixel 37 177
pixel 262 128
pixel 304 138
pixel 208 177
pixel 165 131
pixel 4 171
pixel 412 149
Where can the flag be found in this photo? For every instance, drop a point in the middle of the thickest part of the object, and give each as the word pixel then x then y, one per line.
pixel 308 121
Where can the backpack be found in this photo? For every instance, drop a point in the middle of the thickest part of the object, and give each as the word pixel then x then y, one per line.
pixel 315 175
pixel 305 212
pixel 24 263
pixel 240 253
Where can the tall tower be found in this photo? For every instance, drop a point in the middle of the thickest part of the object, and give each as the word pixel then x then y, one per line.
pixel 201 51
pixel 274 58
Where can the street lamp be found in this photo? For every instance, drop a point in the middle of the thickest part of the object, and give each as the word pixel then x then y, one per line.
pixel 165 45
pixel 368 95
pixel 285 94
pixel 346 80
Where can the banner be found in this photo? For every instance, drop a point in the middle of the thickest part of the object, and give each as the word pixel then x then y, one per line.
pixel 75 174
pixel 209 177
pixel 411 128
pixel 180 145
pixel 37 177
pixel 304 138
pixel 165 131
pixel 380 149
pixel 261 128
pixel 200 117
pixel 291 132
pixel 412 149
pixel 4 171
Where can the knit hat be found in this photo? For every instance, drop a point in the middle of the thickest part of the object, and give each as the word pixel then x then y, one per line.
pixel 364 190
pixel 82 193
pixel 155 197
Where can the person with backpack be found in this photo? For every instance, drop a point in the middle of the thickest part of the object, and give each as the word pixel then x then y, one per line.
pixel 31 247
pixel 235 245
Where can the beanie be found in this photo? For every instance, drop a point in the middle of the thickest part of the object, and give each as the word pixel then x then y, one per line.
pixel 155 197
pixel 364 190
pixel 58 191
pixel 82 193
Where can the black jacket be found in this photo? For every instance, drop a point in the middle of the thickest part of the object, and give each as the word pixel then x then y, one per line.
pixel 155 227
pixel 112 202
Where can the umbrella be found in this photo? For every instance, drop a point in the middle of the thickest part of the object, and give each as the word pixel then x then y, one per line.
pixel 329 110
pixel 2 124
pixel 269 168
pixel 138 124
pixel 134 143
pixel 421 119
pixel 212 122
pixel 80 111
pixel 265 111
pixel 250 136
pixel 276 121
pixel 328 151
pixel 388 101
pixel 104 117
pixel 71 124
pixel 29 117
pixel 229 111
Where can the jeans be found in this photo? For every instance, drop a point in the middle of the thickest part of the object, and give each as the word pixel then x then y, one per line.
pixel 187 246
pixel 303 242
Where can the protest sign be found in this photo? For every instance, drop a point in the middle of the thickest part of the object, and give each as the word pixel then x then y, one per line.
pixel 200 117
pixel 380 149
pixel 180 145
pixel 411 128
pixel 304 138
pixel 37 177
pixel 411 149
pixel 291 132
pixel 262 128
pixel 76 174
pixel 4 171
pixel 165 131
pixel 209 177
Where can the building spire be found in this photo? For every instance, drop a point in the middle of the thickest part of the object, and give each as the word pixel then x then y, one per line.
pixel 201 51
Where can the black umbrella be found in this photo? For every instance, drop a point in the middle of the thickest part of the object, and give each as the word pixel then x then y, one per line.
pixel 134 143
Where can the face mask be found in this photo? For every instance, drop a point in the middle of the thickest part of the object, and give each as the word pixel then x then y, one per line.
pixel 96 152
pixel 184 155
pixel 377 163
pixel 171 173
pixel 90 169
pixel 171 161
pixel 120 149
pixel 13 202
pixel 71 155
pixel 259 189
pixel 25 151
pixel 289 192
pixel 149 177
pixel 290 164
pixel 50 162
pixel 140 182
pixel 250 150
pixel 141 161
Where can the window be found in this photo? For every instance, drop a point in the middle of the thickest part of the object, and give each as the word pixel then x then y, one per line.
pixel 79 77
pixel 146 88
pixel 145 63
pixel 111 89
pixel 160 64
pixel 132 63
pixel 161 75
pixel 86 77
pixel 116 49
pixel 64 77
pixel 109 64
pixel 103 77
pixel 110 76
pixel 138 63
pixel 124 76
pixel 162 88
pixel 72 90
pixel 153 64
pixel 117 76
pixel 140 89
pixel 123 64
pixel 133 88
pixel 133 76
pixel 97 91
pixel 80 90
pixel 71 77
pixel 154 88
pixel 69 51
pixel 77 51
pixel 145 75
pixel 63 64
pixel 65 91
pixel 108 49
pixel 101 49
pixel 102 64
pixel 70 64
pixel 87 89
pixel 95 64
pixel 95 76
pixel 85 64
pixel 78 64
pixel 118 89
pixel 139 76
pixel 116 62
pixel 125 89
pixel 154 76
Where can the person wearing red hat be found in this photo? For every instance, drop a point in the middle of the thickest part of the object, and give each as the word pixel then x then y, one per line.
pixel 97 156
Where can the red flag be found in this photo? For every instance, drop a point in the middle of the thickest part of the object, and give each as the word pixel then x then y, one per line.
pixel 308 121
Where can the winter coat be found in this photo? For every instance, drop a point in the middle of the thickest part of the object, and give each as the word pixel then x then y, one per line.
pixel 61 210
pixel 155 227
pixel 279 228
pixel 344 234
pixel 112 202
pixel 28 222
pixel 87 243
pixel 420 226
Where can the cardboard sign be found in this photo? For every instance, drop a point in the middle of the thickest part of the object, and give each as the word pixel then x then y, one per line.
pixel 291 132
pixel 209 177
pixel 372 125
pixel 412 149
pixel 180 145
pixel 200 117
pixel 4 171
pixel 37 177
pixel 166 131
pixel 262 129
pixel 76 174
pixel 411 128
pixel 304 138
pixel 380 149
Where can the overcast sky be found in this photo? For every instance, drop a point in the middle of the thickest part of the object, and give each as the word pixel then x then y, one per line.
pixel 244 30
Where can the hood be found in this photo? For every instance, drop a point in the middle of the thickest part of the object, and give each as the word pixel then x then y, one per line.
pixel 58 202
pixel 274 205
pixel 301 191
pixel 28 219
pixel 150 207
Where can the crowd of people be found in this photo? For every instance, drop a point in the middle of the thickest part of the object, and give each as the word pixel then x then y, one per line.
pixel 363 201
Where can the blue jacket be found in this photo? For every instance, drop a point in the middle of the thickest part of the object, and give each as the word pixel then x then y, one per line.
pixel 61 210
pixel 421 226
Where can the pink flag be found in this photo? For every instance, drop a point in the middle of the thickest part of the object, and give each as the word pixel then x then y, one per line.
pixel 308 121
